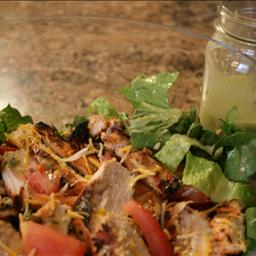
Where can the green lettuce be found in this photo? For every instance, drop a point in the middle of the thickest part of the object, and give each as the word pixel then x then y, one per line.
pixel 10 119
pixel 187 119
pixel 250 217
pixel 251 248
pixel 241 161
pixel 152 90
pixel 149 126
pixel 175 149
pixel 208 177
pixel 235 139
pixel 103 107
pixel 227 125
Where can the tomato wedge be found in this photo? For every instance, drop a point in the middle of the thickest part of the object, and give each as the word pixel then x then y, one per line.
pixel 42 182
pixel 46 241
pixel 156 239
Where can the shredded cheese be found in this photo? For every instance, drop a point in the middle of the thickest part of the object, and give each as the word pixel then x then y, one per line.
pixel 100 154
pixel 128 151
pixel 74 215
pixel 83 152
pixel 134 179
pixel 163 211
pixel 88 168
pixel 94 161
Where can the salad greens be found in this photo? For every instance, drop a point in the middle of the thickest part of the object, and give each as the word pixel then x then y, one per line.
pixel 227 125
pixel 250 216
pixel 208 177
pixel 10 118
pixel 175 149
pixel 174 137
pixel 103 107
pixel 153 115
pixel 149 125
pixel 152 90
pixel 240 164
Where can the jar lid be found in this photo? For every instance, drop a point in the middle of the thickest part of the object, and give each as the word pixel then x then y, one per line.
pixel 238 19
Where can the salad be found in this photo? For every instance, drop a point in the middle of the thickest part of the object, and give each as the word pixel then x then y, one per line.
pixel 152 183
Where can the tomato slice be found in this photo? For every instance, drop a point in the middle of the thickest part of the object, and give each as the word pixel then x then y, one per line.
pixel 40 181
pixel 4 148
pixel 46 241
pixel 156 239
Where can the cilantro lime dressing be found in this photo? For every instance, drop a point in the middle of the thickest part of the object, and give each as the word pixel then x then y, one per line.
pixel 230 67
pixel 225 91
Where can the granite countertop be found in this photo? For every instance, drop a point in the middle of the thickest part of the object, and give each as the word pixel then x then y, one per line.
pixel 53 68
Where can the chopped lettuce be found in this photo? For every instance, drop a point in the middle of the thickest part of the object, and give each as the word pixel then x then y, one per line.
pixel 175 149
pixel 241 162
pixel 149 126
pixel 250 217
pixel 187 119
pixel 103 107
pixel 2 131
pixel 236 139
pixel 208 177
pixel 227 125
pixel 195 130
pixel 10 118
pixel 251 248
pixel 152 90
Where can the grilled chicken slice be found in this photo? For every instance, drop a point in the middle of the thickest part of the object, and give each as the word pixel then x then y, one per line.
pixel 97 124
pixel 161 180
pixel 189 228
pixel 117 235
pixel 200 233
pixel 13 167
pixel 115 142
pixel 112 232
pixel 110 186
pixel 60 147
pixel 228 231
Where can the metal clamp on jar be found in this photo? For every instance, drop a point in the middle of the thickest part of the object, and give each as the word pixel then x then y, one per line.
pixel 230 75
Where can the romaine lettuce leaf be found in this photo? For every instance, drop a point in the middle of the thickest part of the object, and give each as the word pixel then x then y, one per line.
pixel 10 118
pixel 152 90
pixel 208 177
pixel 227 125
pixel 103 107
pixel 251 248
pixel 149 126
pixel 236 139
pixel 241 162
pixel 175 149
pixel 187 119
pixel 250 217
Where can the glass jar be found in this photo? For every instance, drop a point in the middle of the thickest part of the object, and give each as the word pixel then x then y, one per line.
pixel 230 72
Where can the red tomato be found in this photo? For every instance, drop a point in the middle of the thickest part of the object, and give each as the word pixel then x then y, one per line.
pixel 40 181
pixel 4 148
pixel 156 239
pixel 48 242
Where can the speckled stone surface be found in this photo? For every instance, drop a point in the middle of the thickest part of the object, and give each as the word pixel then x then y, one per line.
pixel 53 67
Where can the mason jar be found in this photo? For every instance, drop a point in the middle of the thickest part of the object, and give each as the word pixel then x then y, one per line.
pixel 230 67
